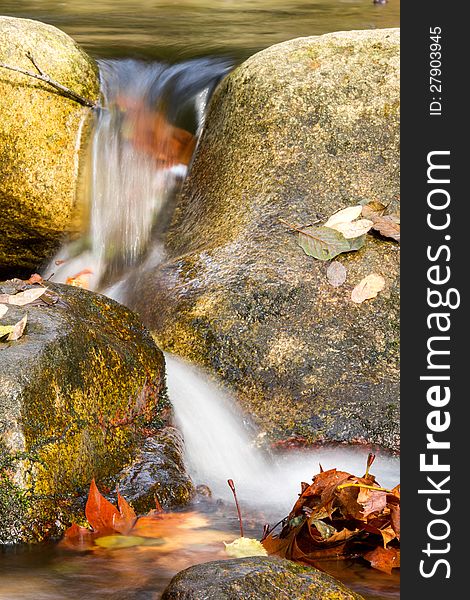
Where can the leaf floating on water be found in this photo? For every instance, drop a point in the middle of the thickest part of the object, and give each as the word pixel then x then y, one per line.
pixel 336 273
pixel 116 542
pixel 100 513
pixel 243 547
pixel 23 298
pixel 325 243
pixel 3 310
pixel 346 215
pixel 368 288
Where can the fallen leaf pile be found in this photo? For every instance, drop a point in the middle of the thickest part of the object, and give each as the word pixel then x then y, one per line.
pixel 341 515
pixel 118 527
pixel 345 230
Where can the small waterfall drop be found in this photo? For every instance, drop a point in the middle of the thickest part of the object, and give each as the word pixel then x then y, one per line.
pixel 219 447
pixel 143 140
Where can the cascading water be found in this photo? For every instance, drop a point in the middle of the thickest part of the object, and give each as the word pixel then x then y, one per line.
pixel 219 447
pixel 143 140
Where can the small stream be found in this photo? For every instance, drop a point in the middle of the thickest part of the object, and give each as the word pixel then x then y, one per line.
pixel 159 63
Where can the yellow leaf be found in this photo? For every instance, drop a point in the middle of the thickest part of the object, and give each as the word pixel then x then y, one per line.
pixel 243 546
pixel 368 288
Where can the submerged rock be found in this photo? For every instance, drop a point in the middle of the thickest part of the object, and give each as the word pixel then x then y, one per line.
pixel 40 141
pixel 77 394
pixel 255 578
pixel 297 132
pixel 158 472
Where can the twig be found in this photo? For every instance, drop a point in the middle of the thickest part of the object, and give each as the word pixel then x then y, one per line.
pixel 232 487
pixel 41 76
pixel 299 229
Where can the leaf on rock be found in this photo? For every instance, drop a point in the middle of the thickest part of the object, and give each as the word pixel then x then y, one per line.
pixel 388 226
pixel 325 243
pixel 336 273
pixel 243 547
pixel 373 209
pixel 3 310
pixel 346 215
pixel 23 298
pixel 368 288
pixel 354 229
pixel 35 278
pixel 384 559
pixel 100 513
pixel 11 333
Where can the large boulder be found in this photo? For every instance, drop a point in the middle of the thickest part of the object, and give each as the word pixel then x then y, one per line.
pixel 78 392
pixel 40 141
pixel 297 132
pixel 257 578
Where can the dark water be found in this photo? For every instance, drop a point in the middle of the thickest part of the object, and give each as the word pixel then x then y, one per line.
pixel 175 32
pixel 187 28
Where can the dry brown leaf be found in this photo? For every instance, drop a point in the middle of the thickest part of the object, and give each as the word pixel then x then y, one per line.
pixel 23 298
pixel 373 209
pixel 372 501
pixel 388 226
pixel 384 559
pixel 368 288
pixel 18 330
pixel 336 273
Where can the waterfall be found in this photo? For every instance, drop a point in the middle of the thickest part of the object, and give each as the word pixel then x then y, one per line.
pixel 219 446
pixel 143 138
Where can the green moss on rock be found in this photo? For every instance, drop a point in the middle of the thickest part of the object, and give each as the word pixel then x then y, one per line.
pixel 256 578
pixel 297 132
pixel 77 393
pixel 40 141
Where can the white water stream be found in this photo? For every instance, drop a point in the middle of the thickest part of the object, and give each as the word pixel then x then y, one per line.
pixel 219 446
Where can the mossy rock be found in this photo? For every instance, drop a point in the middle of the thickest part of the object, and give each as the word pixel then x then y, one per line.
pixel 297 132
pixel 255 578
pixel 41 141
pixel 78 392
pixel 158 471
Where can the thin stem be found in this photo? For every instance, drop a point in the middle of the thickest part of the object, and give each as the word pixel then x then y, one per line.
pixel 367 487
pixel 41 76
pixel 240 521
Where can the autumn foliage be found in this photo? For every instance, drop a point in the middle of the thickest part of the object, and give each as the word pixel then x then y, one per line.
pixel 341 515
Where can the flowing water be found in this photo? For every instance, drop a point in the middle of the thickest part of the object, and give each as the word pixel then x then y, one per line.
pixel 159 62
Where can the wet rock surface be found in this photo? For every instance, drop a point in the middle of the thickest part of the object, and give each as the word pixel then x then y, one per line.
pixel 297 132
pixel 78 392
pixel 157 472
pixel 41 133
pixel 255 578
